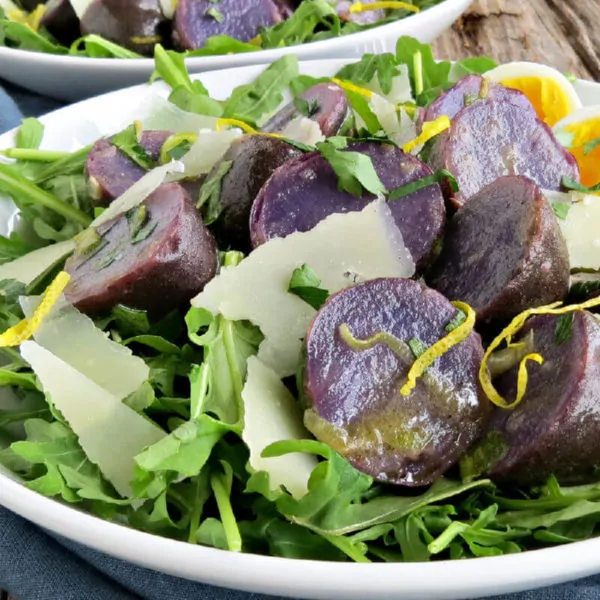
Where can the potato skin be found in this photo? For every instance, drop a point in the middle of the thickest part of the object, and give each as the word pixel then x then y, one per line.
pixel 353 395
pixel 503 252
pixel 493 138
pixel 61 21
pixel 157 273
pixel 240 19
pixel 305 191
pixel 135 24
pixel 110 172
pixel 362 18
pixel 555 429
pixel 254 158
pixel 330 102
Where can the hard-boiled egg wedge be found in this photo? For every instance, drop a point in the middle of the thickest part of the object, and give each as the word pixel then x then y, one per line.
pixel 581 132
pixel 550 92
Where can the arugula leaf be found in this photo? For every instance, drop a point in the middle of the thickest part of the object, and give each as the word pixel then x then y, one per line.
pixel 571 184
pixel 410 188
pixel 590 146
pixel 30 134
pixel 561 209
pixel 564 328
pixel 250 102
pixel 355 171
pixel 210 194
pixel 475 65
pixel 429 78
pixel 96 46
pixel 223 44
pixel 128 143
pixel 305 284
pixel 362 73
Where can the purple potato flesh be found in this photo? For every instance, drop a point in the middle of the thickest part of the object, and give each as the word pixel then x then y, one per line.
pixel 135 24
pixel 353 394
pixel 555 428
pixel 156 257
pixel 61 21
pixel 327 105
pixel 493 138
pixel 111 173
pixel 467 91
pixel 197 20
pixel 253 159
pixel 361 18
pixel 503 252
pixel 305 191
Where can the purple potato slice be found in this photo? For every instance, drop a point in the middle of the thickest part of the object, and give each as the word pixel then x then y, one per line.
pixel 493 138
pixel 503 252
pixel 555 428
pixel 197 20
pixel 111 173
pixel 361 18
pixel 253 159
pixel 353 394
pixel 327 104
pixel 467 91
pixel 61 21
pixel 305 191
pixel 135 24
pixel 155 257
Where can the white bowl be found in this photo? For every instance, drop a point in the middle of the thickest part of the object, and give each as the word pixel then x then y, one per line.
pixel 443 580
pixel 75 78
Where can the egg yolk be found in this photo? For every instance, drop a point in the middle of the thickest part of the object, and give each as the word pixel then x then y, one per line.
pixel 547 96
pixel 585 134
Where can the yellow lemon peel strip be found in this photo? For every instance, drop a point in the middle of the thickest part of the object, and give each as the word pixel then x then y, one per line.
pixel 429 131
pixel 506 336
pixel 455 337
pixel 23 330
pixel 346 85
pixel 359 7
pixel 221 123
pixel 32 19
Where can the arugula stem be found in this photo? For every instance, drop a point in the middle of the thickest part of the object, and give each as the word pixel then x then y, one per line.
pixel 176 76
pixel 72 159
pixel 232 532
pixel 347 547
pixel 418 70
pixel 200 397
pixel 34 155
pixel 24 190
pixel 200 496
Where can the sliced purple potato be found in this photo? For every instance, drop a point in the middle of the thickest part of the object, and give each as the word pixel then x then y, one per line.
pixel 467 91
pixel 249 162
pixel 30 5
pixel 503 252
pixel 136 24
pixel 61 21
pixel 305 191
pixel 197 20
pixel 361 18
pixel 326 104
pixel 493 138
pixel 156 257
pixel 555 428
pixel 353 393
pixel 110 172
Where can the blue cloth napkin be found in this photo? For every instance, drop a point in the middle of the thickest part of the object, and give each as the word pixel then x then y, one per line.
pixel 38 566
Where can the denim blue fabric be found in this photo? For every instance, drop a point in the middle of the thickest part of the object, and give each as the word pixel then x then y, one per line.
pixel 37 566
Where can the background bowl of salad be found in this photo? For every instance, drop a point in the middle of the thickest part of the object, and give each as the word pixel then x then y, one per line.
pixel 67 49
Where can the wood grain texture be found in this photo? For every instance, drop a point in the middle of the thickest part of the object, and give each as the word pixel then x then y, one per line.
pixel 560 33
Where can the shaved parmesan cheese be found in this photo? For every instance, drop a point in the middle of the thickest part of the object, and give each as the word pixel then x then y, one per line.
pixel 580 228
pixel 342 250
pixel 73 337
pixel 140 190
pixel 401 91
pixel 304 131
pixel 156 112
pixel 208 150
pixel 8 6
pixel 26 268
pixel 109 432
pixel 272 414
pixel 80 6
pixel 168 7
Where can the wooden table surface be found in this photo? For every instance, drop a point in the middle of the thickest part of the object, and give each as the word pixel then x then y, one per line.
pixel 562 33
